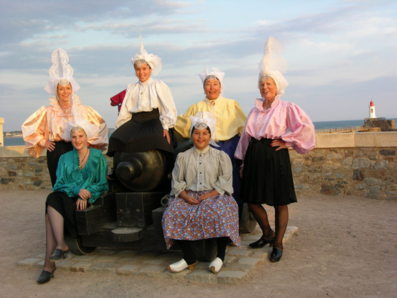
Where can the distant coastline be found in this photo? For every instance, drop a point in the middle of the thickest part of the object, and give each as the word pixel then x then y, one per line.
pixel 15 138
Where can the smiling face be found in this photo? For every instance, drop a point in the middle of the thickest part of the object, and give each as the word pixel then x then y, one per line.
pixel 79 138
pixel 64 91
pixel 142 71
pixel 212 88
pixel 201 137
pixel 268 88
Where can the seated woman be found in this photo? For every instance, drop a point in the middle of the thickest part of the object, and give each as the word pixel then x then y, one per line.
pixel 147 113
pixel 201 206
pixel 81 180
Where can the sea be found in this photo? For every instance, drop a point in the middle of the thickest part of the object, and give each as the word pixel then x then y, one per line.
pixel 319 125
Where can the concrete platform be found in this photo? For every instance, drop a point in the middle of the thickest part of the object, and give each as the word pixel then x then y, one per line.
pixel 239 262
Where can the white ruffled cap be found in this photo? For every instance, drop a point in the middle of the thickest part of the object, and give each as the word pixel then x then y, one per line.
pixel 153 60
pixel 202 120
pixel 273 65
pixel 60 70
pixel 213 72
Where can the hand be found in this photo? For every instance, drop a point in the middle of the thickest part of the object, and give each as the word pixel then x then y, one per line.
pixel 207 195
pixel 84 194
pixel 166 134
pixel 50 146
pixel 188 199
pixel 280 144
pixel 81 204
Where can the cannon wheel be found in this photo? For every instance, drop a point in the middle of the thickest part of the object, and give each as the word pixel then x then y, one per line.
pixel 76 247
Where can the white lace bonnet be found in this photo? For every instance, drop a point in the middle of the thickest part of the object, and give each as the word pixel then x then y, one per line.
pixel 153 60
pixel 203 120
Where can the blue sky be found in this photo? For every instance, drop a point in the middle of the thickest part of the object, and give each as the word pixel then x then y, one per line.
pixel 341 54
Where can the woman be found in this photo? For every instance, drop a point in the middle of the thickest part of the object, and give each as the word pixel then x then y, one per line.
pixel 49 127
pixel 229 118
pixel 272 127
pixel 81 180
pixel 147 113
pixel 201 206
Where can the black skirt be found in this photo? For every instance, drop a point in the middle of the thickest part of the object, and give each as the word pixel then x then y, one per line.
pixel 66 206
pixel 143 132
pixel 267 176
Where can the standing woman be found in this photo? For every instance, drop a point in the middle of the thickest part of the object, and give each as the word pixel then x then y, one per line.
pixel 273 126
pixel 229 118
pixel 81 180
pixel 147 113
pixel 49 127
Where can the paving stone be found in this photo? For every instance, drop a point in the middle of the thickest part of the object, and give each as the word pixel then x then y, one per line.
pixel 65 264
pixel 29 261
pixel 80 266
pixel 238 251
pixel 227 277
pixel 203 276
pixel 102 267
pixel 128 269
pixel 152 270
pixel 249 261
pixel 86 258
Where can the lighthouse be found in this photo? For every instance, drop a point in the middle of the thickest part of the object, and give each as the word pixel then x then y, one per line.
pixel 372 114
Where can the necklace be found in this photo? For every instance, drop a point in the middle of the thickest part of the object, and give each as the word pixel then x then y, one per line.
pixel 83 160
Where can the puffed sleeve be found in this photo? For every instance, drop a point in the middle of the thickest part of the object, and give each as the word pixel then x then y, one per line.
pixel 167 108
pixel 99 182
pixel 239 117
pixel 124 114
pixel 65 181
pixel 183 122
pixel 178 183
pixel 301 133
pixel 243 143
pixel 35 132
pixel 224 184
pixel 98 131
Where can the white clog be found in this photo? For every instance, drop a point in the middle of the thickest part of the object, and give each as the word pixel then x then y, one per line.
pixel 216 265
pixel 180 266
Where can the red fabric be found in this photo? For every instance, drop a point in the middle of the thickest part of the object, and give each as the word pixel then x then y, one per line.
pixel 117 99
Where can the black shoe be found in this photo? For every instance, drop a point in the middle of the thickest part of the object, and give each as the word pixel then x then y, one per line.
pixel 276 254
pixel 261 242
pixel 45 276
pixel 58 254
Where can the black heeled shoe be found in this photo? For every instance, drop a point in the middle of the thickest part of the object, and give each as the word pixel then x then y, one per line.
pixel 58 254
pixel 276 254
pixel 261 242
pixel 45 276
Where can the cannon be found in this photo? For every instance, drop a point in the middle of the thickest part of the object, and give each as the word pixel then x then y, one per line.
pixel 129 215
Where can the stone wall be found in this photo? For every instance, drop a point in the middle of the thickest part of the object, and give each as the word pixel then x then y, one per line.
pixel 362 164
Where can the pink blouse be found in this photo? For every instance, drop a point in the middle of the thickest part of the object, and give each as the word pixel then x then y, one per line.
pixel 283 120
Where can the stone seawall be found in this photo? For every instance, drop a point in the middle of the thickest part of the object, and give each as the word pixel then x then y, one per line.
pixel 363 164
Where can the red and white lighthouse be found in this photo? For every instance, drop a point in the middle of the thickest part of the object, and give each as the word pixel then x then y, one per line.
pixel 372 113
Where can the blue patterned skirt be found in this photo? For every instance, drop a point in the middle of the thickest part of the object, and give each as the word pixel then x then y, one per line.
pixel 212 218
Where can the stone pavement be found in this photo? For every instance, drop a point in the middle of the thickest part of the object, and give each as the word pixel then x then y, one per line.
pixel 239 262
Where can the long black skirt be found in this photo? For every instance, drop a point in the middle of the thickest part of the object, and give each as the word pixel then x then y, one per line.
pixel 66 206
pixel 267 176
pixel 143 132
pixel 61 147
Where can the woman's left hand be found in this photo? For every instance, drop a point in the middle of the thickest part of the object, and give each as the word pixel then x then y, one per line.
pixel 166 135
pixel 280 144
pixel 207 195
pixel 81 204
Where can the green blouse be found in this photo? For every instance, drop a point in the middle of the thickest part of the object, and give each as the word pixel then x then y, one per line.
pixel 70 178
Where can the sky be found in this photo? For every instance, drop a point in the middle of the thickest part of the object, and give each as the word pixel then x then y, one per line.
pixel 340 54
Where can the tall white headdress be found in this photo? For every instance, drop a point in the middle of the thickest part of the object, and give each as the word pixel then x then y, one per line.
pixel 273 64
pixel 60 70
pixel 153 60
pixel 203 120
pixel 213 72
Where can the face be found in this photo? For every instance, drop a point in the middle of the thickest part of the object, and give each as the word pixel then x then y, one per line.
pixel 268 88
pixel 143 71
pixel 201 138
pixel 212 88
pixel 64 92
pixel 79 139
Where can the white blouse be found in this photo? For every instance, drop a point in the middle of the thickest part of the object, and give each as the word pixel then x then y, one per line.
pixel 146 96
pixel 202 171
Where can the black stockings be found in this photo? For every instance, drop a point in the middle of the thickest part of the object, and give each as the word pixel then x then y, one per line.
pixel 188 252
pixel 260 215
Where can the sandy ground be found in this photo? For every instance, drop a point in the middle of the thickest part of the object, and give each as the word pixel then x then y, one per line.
pixel 346 247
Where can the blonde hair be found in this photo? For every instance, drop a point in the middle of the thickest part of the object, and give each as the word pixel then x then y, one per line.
pixel 77 128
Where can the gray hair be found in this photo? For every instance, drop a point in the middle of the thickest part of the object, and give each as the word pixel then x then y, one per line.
pixel 77 128
pixel 211 77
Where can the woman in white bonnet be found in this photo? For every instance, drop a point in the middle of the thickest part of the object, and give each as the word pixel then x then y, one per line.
pixel 148 111
pixel 273 126
pixel 201 205
pixel 49 127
